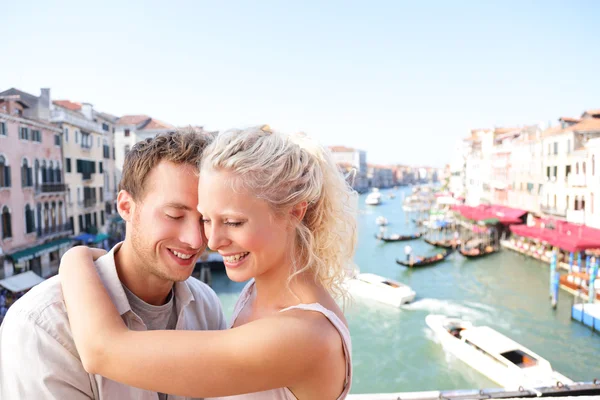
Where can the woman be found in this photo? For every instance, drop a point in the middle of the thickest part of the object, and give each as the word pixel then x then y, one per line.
pixel 279 211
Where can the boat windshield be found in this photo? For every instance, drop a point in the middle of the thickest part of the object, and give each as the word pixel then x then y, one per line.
pixel 520 358
pixel 392 284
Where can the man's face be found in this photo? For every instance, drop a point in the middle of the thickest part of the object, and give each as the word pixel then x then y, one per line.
pixel 167 235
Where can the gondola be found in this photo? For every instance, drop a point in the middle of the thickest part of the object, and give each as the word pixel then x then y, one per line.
pixel 427 261
pixel 480 255
pixel 442 245
pixel 399 238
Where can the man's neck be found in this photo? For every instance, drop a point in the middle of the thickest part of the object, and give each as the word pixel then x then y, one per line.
pixel 145 285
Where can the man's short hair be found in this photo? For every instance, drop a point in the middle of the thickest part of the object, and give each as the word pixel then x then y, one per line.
pixel 179 147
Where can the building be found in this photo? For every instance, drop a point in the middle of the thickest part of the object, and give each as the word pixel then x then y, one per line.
pixel 501 182
pixel 478 166
pixel 83 152
pixel 34 230
pixel 131 129
pixel 380 176
pixel 109 198
pixel 525 173
pixel 357 160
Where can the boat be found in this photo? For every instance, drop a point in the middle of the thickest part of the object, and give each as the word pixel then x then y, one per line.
pixel 398 238
pixel 477 253
pixel 577 283
pixel 494 355
pixel 444 244
pixel 392 196
pixel 381 289
pixel 381 221
pixel 373 198
pixel 427 261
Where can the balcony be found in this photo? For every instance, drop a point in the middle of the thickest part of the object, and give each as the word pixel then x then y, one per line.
pixel 87 203
pixel 58 115
pixel 553 211
pixel 50 188
pixel 577 180
pixel 52 231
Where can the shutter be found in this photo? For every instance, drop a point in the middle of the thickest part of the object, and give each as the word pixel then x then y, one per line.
pixel 7 176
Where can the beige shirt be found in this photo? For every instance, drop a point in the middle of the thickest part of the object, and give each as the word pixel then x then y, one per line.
pixel 38 358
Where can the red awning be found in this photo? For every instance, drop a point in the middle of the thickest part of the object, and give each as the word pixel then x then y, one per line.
pixel 505 215
pixel 564 235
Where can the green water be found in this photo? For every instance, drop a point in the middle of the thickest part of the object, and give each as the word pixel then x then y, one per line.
pixel 394 351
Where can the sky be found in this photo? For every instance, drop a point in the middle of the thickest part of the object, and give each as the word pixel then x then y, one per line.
pixel 403 81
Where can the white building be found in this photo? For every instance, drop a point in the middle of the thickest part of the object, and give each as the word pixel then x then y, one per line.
pixel 526 170
pixel 357 159
pixel 131 129
pixel 478 167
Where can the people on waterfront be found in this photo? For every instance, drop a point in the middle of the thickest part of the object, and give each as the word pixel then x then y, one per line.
pixel 281 214
pixel 147 277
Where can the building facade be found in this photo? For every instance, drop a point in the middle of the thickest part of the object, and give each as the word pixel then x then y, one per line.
pixel 357 160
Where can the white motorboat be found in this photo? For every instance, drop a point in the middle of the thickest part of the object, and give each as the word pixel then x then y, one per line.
pixel 494 355
pixel 381 221
pixel 373 198
pixel 381 289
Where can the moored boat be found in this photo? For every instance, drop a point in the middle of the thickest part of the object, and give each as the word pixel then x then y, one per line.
pixel 426 261
pixel 494 355
pixel 398 238
pixel 381 289
pixel 373 198
pixel 444 244
pixel 381 220
pixel 477 252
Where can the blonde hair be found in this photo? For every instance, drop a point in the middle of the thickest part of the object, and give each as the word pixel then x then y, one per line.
pixel 286 170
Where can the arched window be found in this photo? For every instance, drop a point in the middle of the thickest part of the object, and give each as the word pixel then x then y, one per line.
pixel 6 223
pixel 4 173
pixel 36 173
pixel 576 203
pixel 577 168
pixel 53 215
pixel 26 174
pixel 44 177
pixel 29 219
pixel 50 172
pixel 583 167
pixel 46 217
pixel 60 214
pixel 568 202
pixel 582 204
pixel 57 174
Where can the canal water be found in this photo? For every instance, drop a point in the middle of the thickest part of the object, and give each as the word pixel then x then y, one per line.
pixel 394 350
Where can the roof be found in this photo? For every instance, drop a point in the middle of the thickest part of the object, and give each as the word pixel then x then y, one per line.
pixel 132 119
pixel 553 130
pixel 593 112
pixel 30 99
pixel 569 119
pixel 586 125
pixel 21 282
pixel 68 104
pixel 156 124
pixel 501 131
pixel 107 116
pixel 341 149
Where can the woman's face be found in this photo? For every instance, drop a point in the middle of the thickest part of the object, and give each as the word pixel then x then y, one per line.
pixel 242 228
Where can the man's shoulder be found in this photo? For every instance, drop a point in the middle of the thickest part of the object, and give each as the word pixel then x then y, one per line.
pixel 42 303
pixel 200 290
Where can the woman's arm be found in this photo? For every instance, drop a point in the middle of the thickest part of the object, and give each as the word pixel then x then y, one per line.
pixel 269 353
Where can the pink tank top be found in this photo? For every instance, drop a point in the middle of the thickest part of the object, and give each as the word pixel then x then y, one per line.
pixel 285 393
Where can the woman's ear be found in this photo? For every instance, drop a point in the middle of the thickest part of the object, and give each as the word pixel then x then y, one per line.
pixel 299 210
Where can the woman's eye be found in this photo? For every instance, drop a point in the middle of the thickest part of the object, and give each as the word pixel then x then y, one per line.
pixel 174 217
pixel 231 223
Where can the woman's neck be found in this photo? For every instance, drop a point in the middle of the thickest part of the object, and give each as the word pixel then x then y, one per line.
pixel 274 290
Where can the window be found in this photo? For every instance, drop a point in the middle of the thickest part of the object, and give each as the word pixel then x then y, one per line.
pixel 4 173
pixel 555 172
pixel 29 221
pixel 548 148
pixel 548 172
pixel 66 135
pixel 100 167
pixel 36 136
pixel 555 148
pixel 126 132
pixel 57 140
pixel 68 161
pixel 567 171
pixel 102 217
pixel 583 167
pixel 6 223
pixel 555 202
pixel 76 136
pixel 568 202
pixel 3 129
pixel 105 127
pixel 26 174
pixel 87 168
pixel 100 196
pixel 582 203
pixel 24 133
pixel 576 203
pixel 577 168
pixel 593 165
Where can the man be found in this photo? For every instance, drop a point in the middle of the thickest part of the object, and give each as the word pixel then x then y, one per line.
pixel 147 277
pixel 408 252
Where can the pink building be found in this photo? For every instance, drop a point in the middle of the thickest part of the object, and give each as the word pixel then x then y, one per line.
pixel 34 228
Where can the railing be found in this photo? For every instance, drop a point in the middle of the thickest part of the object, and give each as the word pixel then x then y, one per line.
pixel 87 203
pixel 58 115
pixel 553 211
pixel 53 230
pixel 51 188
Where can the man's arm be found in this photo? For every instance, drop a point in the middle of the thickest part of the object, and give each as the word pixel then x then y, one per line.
pixel 35 365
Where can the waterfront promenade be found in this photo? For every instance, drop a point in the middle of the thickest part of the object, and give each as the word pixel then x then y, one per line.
pixel 393 349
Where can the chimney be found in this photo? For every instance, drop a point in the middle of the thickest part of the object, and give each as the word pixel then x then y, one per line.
pixel 87 111
pixel 43 106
